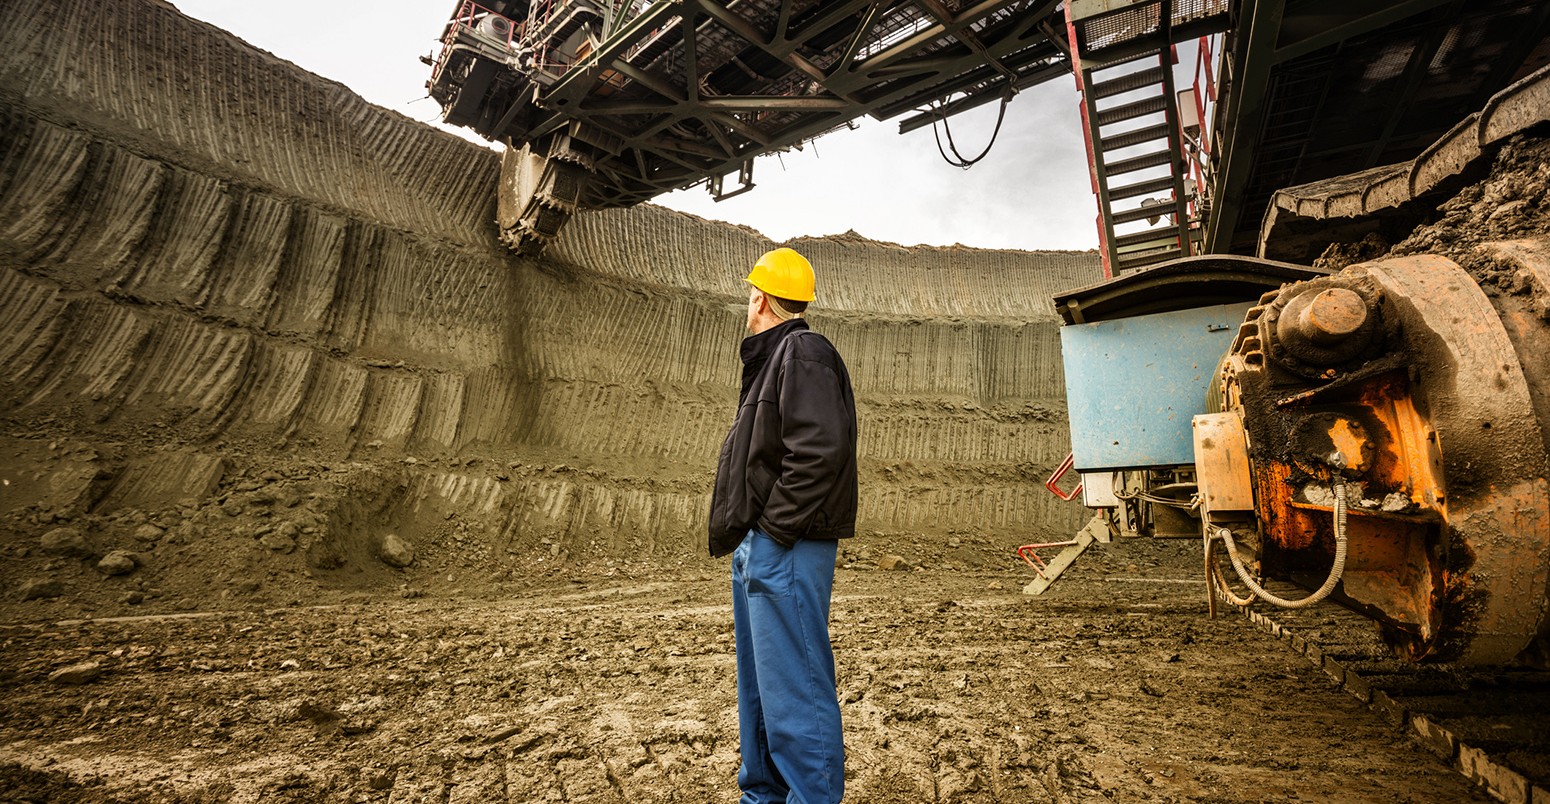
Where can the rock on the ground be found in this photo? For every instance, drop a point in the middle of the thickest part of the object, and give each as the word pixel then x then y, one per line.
pixel 277 542
pixel 66 542
pixel 82 673
pixel 357 725
pixel 118 562
pixel 147 533
pixel 396 551
pixel 42 589
pixel 892 563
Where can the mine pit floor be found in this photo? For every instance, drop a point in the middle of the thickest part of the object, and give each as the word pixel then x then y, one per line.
pixel 586 688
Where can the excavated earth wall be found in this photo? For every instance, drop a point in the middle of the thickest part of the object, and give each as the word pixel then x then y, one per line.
pixel 250 325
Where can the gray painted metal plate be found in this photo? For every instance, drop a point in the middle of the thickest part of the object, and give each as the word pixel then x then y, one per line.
pixel 1134 384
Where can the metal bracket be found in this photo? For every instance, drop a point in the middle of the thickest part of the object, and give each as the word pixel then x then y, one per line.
pixel 1050 571
pixel 744 177
pixel 1053 483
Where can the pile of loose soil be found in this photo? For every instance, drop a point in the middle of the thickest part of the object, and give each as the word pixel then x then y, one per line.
pixel 1512 202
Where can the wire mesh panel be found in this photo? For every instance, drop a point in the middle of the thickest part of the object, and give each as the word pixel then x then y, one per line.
pixel 1108 24
pixel 1120 27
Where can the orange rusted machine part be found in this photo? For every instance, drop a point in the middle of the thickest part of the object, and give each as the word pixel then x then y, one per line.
pixel 1397 385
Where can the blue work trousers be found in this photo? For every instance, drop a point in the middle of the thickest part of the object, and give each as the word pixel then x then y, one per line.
pixel 788 711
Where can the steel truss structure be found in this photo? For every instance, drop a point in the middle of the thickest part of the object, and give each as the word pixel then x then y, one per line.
pixel 665 96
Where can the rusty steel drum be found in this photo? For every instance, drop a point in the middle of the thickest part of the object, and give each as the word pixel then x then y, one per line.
pixel 1426 400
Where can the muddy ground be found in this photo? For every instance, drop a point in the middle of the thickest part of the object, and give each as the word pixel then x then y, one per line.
pixel 238 425
pixel 600 684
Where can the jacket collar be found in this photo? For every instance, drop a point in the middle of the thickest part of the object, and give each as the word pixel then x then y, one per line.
pixel 758 347
pixel 756 350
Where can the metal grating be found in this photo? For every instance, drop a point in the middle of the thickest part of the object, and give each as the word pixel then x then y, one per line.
pixel 1147 22
pixel 1121 27
pixel 1378 97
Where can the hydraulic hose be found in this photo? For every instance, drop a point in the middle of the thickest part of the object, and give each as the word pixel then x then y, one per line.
pixel 1335 572
pixel 1218 583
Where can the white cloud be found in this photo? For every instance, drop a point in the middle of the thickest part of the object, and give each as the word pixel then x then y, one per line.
pixel 1031 191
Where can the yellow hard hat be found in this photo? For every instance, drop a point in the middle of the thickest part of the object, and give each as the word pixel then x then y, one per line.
pixel 784 274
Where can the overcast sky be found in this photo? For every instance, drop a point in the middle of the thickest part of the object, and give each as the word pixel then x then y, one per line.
pixel 1031 192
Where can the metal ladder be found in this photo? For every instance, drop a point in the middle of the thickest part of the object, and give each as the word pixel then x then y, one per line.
pixel 1136 155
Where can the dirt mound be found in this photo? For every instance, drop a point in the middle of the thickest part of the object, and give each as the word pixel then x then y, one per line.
pixel 1512 202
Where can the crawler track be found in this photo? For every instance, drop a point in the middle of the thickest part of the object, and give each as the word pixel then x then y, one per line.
pixel 1491 723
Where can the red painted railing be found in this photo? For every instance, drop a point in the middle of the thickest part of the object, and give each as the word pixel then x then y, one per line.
pixel 468 17
pixel 1204 87
pixel 1053 484
pixel 1087 140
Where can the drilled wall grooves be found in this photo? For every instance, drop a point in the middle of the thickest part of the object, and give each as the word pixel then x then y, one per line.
pixel 203 247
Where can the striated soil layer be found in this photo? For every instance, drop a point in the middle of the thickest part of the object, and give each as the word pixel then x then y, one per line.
pixel 251 324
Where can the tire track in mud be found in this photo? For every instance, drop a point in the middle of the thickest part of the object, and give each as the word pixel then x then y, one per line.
pixel 598 688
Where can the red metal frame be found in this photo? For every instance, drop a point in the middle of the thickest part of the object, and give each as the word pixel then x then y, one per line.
pixel 466 18
pixel 1204 85
pixel 1203 65
pixel 1027 554
pixel 1060 471
pixel 542 12
pixel 1087 141
pixel 546 10
pixel 1205 98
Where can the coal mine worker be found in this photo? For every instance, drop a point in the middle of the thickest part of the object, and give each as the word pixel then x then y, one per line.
pixel 785 493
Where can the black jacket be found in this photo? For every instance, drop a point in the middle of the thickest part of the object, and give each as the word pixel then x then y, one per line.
pixel 789 463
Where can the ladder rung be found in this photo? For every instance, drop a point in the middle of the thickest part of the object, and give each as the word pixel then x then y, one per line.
pixel 1166 237
pixel 1130 111
pixel 1129 138
pixel 1135 163
pixel 1141 214
pixel 1141 188
pixel 1126 83
pixel 1154 56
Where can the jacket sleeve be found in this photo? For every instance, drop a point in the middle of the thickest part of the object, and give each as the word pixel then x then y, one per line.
pixel 816 433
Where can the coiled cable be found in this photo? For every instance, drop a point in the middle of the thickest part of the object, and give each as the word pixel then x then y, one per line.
pixel 1224 535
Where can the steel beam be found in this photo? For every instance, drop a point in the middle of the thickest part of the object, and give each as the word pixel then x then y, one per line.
pixel 734 128
pixel 1415 74
pixel 579 80
pixel 1308 22
pixel 868 20
pixel 760 103
pixel 935 32
pixel 964 104
pixel 966 35
pixel 1253 52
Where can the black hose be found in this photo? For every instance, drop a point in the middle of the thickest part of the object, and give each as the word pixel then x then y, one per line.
pixel 958 160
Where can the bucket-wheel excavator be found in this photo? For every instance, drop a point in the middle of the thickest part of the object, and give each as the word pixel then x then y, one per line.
pixel 1348 391
pixel 1373 430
